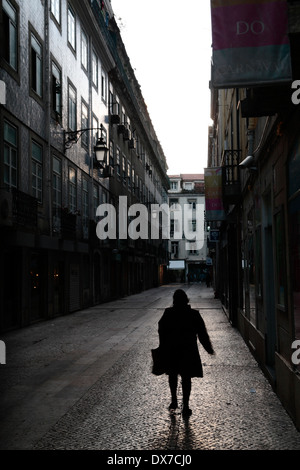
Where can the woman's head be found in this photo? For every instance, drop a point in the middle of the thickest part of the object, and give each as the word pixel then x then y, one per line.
pixel 180 297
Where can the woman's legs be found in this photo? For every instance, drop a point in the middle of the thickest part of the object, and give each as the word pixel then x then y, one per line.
pixel 186 391
pixel 173 389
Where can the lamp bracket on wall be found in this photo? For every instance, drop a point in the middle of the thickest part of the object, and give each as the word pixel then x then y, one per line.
pixel 72 137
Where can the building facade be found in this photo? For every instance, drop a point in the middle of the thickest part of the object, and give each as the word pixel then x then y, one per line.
pixel 254 140
pixel 188 230
pixel 66 81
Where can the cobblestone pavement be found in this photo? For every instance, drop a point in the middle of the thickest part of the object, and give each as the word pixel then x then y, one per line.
pixel 83 382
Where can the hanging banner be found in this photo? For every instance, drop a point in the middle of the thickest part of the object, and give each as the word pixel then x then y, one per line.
pixel 250 43
pixel 214 209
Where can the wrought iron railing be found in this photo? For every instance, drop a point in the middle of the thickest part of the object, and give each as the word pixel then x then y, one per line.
pixel 24 209
pixel 231 176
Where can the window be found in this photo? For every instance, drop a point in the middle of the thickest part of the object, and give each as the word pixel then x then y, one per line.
pixel 104 197
pixel 56 89
pixel 136 185
pixel 188 186
pixel 72 108
pixel 10 34
pixel 123 116
pixel 116 105
pixel 71 28
pixel 133 179
pixel 56 183
pixel 118 162
pixel 193 225
pixel 192 248
pixel 72 190
pixel 55 10
pixel 174 204
pixel 174 185
pixel 95 129
pixel 84 123
pixel 175 249
pixel 141 151
pixel 124 169
pixel 85 204
pixel 37 171
pixel 103 85
pixel 129 174
pixel 192 203
pixel 96 196
pixel 10 155
pixel 36 65
pixel 95 69
pixel 111 99
pixel 84 50
pixel 111 153
pixel 174 228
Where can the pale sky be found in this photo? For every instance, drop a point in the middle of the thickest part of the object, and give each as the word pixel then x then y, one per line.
pixel 169 47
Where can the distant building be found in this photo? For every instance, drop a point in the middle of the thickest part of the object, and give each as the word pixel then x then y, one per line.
pixel 188 257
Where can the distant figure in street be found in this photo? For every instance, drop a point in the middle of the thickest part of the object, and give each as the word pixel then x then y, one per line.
pixel 208 279
pixel 178 330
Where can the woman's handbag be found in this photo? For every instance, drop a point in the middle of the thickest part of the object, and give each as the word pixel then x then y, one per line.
pixel 158 367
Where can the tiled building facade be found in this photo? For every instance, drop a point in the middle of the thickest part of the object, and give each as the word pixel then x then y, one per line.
pixel 64 68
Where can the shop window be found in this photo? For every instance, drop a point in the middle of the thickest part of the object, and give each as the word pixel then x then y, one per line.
pixel 294 233
pixel 249 271
pixel 280 259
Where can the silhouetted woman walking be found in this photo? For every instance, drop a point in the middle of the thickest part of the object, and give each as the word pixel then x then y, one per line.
pixel 178 330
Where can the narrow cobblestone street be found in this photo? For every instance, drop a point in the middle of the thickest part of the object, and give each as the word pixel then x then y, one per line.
pixel 83 382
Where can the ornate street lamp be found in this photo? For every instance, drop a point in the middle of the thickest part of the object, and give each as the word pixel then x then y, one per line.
pixel 100 147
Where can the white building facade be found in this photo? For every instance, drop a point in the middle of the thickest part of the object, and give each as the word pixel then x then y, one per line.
pixel 188 231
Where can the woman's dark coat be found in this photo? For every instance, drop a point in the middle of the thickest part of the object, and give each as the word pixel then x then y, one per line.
pixel 178 330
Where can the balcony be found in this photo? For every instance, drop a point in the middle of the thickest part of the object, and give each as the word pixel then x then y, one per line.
pixel 64 223
pixel 231 176
pixel 68 225
pixel 24 209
